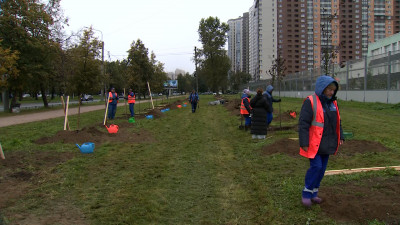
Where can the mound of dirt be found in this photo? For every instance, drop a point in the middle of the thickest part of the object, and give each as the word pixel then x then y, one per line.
pixel 285 117
pixel 279 128
pixel 233 105
pixel 376 198
pixel 349 148
pixel 21 170
pixel 98 135
pixel 360 201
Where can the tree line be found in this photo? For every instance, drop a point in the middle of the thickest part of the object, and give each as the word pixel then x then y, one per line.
pixel 36 56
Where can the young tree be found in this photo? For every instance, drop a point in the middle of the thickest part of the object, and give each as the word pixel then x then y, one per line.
pixel 277 70
pixel 214 63
pixel 85 66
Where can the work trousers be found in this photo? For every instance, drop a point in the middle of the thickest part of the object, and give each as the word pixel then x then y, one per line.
pixel 194 106
pixel 270 116
pixel 314 175
pixel 131 109
pixel 247 119
pixel 112 109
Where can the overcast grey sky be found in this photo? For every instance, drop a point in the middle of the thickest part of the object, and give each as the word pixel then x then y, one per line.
pixel 166 27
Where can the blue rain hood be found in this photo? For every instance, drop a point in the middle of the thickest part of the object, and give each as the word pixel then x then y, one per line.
pixel 269 89
pixel 323 82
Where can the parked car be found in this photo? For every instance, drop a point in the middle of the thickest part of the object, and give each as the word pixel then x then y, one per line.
pixel 87 98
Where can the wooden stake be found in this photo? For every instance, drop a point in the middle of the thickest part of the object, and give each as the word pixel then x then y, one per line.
pixel 2 153
pixel 126 111
pixel 66 114
pixel 151 98
pixel 105 115
pixel 358 170
pixel 63 104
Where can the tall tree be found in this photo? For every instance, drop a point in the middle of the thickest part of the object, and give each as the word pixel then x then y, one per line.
pixel 159 75
pixel 25 27
pixel 186 83
pixel 85 64
pixel 139 67
pixel 214 63
pixel 8 72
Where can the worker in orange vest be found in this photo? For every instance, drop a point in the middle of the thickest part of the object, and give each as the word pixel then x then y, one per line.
pixel 245 109
pixel 112 103
pixel 320 134
pixel 131 101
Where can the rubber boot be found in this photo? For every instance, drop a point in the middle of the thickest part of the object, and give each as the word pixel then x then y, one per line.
pixel 306 202
pixel 316 200
pixel 247 127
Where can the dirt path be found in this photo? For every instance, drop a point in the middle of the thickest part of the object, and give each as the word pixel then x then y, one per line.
pixel 33 117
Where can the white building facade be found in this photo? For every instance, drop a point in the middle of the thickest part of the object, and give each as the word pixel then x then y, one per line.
pixel 262 38
pixel 235 46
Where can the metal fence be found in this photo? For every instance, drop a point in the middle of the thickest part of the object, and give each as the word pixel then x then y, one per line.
pixel 372 79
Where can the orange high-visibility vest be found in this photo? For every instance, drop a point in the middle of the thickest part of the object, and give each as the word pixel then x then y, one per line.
pixel 317 127
pixel 243 109
pixel 131 99
pixel 111 96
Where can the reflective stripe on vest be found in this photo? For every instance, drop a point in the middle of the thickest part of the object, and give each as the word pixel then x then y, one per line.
pixel 131 99
pixel 317 127
pixel 243 109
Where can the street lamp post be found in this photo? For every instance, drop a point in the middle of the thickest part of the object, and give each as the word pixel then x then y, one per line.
pixel 195 62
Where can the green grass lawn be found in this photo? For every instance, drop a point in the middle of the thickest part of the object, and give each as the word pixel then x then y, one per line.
pixel 201 169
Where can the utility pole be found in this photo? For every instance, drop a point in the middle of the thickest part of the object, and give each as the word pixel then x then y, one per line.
pixel 195 71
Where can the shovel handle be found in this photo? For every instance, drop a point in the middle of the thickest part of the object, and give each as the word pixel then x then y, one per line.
pixel 2 153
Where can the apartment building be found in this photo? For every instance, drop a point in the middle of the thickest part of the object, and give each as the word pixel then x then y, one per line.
pixel 309 29
pixel 303 32
pixel 235 44
pixel 238 43
pixel 262 38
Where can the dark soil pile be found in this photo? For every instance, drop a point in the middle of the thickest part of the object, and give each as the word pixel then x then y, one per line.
pixel 353 202
pixel 98 135
pixel 20 170
pixel 285 116
pixel 233 105
pixel 272 128
pixel 175 104
pixel 349 148
pixel 368 199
